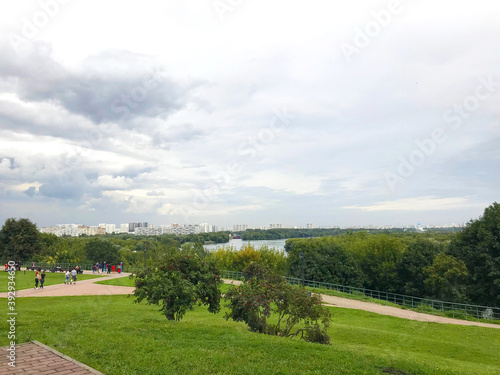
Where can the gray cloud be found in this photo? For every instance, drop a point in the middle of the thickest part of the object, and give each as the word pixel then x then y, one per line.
pixel 114 86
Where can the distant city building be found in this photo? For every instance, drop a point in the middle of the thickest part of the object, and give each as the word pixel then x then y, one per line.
pixel 109 228
pixel 275 226
pixel 133 226
pixel 309 226
pixel 205 228
pixel 240 227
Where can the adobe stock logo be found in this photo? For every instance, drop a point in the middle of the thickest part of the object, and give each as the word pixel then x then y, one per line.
pixel 455 116
pixel 372 29
pixel 31 26
pixel 221 7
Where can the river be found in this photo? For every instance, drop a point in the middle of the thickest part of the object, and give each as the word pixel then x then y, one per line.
pixel 237 244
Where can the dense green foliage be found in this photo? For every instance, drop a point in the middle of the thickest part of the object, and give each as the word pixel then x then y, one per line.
pixel 114 336
pixel 284 233
pixel 265 294
pixel 478 246
pixel 456 267
pixel 463 267
pixel 19 240
pixel 178 282
pixel 230 259
pixel 323 259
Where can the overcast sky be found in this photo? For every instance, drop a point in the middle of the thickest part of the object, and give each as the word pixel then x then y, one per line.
pixel 249 112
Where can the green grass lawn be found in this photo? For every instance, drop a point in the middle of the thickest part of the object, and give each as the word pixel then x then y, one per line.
pixel 117 336
pixel 121 281
pixel 26 279
pixel 127 281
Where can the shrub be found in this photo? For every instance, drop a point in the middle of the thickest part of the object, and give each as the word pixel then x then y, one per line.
pixel 178 282
pixel 264 294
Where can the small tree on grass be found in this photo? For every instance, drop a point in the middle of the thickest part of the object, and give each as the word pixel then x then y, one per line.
pixel 264 294
pixel 179 282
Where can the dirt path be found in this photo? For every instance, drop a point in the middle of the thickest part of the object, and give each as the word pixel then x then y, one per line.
pixel 90 288
pixel 81 288
pixel 392 311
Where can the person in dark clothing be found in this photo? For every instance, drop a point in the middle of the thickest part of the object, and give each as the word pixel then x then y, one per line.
pixel 42 280
pixel 109 268
pixel 37 279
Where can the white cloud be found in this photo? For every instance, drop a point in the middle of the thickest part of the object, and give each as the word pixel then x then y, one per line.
pixel 277 180
pixel 419 204
pixel 119 182
pixel 222 83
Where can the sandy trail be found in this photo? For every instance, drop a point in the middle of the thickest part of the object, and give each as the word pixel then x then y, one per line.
pixel 90 288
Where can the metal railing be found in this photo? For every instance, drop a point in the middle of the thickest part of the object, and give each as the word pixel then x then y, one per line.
pixel 426 305
pixel 47 266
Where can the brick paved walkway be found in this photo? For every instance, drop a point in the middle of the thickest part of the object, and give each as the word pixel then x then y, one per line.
pixel 36 358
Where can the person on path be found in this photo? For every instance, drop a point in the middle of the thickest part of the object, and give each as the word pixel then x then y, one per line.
pixel 73 275
pixel 113 268
pixel 37 279
pixel 67 277
pixel 42 279
pixel 109 268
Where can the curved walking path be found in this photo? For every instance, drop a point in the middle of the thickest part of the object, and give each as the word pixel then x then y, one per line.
pixel 80 288
pixel 392 311
pixel 90 288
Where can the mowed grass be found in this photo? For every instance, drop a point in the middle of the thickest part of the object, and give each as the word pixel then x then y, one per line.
pixel 117 336
pixel 127 281
pixel 121 281
pixel 26 279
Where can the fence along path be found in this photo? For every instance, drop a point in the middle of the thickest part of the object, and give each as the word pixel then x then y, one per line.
pixel 388 310
pixel 89 287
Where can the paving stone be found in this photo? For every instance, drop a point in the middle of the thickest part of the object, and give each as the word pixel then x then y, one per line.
pixel 37 358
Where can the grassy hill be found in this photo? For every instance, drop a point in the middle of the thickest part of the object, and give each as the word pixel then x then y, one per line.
pixel 114 335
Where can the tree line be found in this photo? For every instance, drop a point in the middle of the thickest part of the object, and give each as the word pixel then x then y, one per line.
pixel 21 241
pixel 462 267
pixel 456 267
pixel 284 233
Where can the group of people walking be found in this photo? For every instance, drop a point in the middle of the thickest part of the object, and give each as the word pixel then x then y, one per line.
pixel 106 267
pixel 70 277
pixel 39 278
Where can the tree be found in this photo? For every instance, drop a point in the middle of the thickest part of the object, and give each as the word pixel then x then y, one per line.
pixel 101 250
pixel 419 254
pixel 324 259
pixel 446 278
pixel 266 293
pixel 19 240
pixel 378 257
pixel 478 246
pixel 178 282
pixel 67 250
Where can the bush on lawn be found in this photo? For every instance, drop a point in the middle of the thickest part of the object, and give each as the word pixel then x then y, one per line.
pixel 179 282
pixel 263 294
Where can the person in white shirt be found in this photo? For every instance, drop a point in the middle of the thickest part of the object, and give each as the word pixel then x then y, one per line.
pixel 73 275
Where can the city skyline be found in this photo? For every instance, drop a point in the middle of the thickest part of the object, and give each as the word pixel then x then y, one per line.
pixel 352 114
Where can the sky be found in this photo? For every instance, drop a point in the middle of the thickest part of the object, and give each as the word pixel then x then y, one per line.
pixel 249 112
